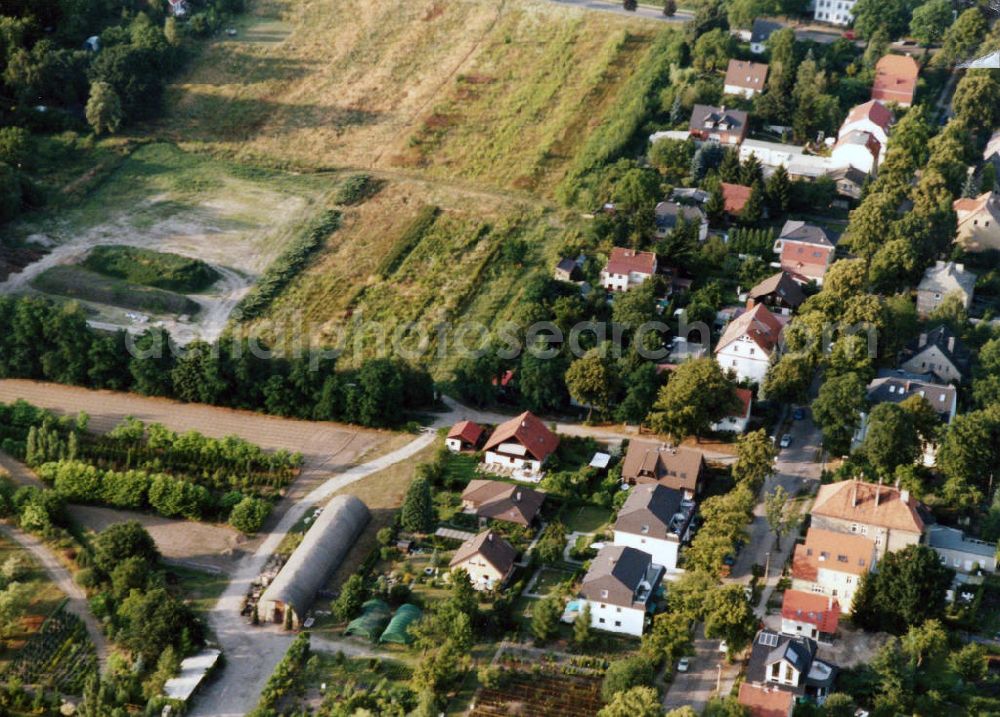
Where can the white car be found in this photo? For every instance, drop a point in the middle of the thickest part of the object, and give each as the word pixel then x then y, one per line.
pixel 786 440
pixel 683 664
pixel 723 647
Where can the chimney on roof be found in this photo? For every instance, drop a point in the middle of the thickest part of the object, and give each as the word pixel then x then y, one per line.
pixel 959 267
pixel 517 497
pixel 904 496
pixel 854 494
pixel 951 344
pixel 750 303
pixel 878 491
pixel 829 603
pixel 489 537
pixel 922 341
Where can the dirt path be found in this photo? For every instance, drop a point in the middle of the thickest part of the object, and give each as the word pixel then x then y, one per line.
pixel 77 604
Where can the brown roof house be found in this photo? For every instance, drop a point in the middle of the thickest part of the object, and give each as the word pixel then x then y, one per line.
pixel 465 436
pixel 677 468
pixel 895 79
pixel 487 558
pixel 832 564
pixel 621 587
pixel 655 520
pixel 718 124
pixel 942 280
pixel 887 516
pixel 745 78
pixel 978 222
pixel 627 268
pixel 523 443
pixel 735 197
pixel 496 500
pixel 805 251
pixel 778 291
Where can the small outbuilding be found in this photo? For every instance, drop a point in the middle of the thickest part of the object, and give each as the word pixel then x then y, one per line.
pixel 465 436
pixel 322 550
pixel 371 622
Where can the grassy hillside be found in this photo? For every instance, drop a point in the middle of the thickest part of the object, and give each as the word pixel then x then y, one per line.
pixel 500 92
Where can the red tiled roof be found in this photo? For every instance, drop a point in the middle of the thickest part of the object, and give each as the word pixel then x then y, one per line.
pixel 818 610
pixel 871 110
pixel 735 196
pixel 745 396
pixel 840 552
pixel 759 324
pixel 895 79
pixel 528 430
pixel 795 253
pixel 748 75
pixel 766 701
pixel 467 431
pixel 625 261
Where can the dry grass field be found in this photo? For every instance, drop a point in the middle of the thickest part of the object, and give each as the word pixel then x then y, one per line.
pixel 498 92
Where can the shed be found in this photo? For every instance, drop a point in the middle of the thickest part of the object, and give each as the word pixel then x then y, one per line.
pixel 322 550
pixel 398 629
pixel 372 621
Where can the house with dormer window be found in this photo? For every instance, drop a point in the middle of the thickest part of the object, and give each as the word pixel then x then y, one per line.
pixel 789 663
pixel 655 519
pixel 621 588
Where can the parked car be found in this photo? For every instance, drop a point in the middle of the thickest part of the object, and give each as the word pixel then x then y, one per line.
pixel 799 413
pixel 729 560
pixel 723 647
pixel 683 664
pixel 786 440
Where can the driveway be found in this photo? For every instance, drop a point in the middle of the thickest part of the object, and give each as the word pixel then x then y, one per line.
pixel 708 671
pixel 799 466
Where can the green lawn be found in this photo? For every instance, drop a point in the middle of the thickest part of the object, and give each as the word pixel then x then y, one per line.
pixel 200 589
pixel 550 579
pixel 585 519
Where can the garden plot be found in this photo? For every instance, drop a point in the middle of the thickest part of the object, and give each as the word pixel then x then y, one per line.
pixel 234 219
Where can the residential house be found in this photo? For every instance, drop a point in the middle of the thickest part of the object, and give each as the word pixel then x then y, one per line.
pixel 895 80
pixel 676 468
pixel 938 352
pixel 778 291
pixel 655 520
pixel 809 167
pixel 942 280
pixel 771 155
pixel 668 214
pixel 871 117
pixel 627 268
pixel 734 197
pixel 718 124
pixel 834 12
pixel 850 181
pixel 620 588
pixel 895 386
pixel 992 151
pixel 860 150
pixel 487 558
pixel 523 443
pixel 564 270
pixel 748 343
pixel 762 701
pixel 760 33
pixel 809 614
pixel 978 221
pixel 789 664
pixel 496 500
pixel 689 195
pixel 465 436
pixel 961 553
pixel 745 79
pixel 178 8
pixel 888 516
pixel 804 251
pixel 832 564
pixel 736 422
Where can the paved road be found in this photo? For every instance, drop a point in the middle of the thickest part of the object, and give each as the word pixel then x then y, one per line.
pixel 64 581
pixel 708 670
pixel 798 466
pixel 650 13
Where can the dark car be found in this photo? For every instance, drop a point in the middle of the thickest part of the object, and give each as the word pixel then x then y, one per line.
pixel 798 414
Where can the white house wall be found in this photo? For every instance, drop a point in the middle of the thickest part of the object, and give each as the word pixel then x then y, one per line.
pixel 664 552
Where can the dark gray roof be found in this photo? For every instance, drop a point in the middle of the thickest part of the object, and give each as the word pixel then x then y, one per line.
pixel 321 551
pixel 945 538
pixel 798 231
pixel 896 386
pixel 621 576
pixel 852 174
pixel 761 30
pixel 717 119
pixel 946 342
pixel 655 510
pixel 782 286
pixel 770 647
pixel 567 265
pixel 667 214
